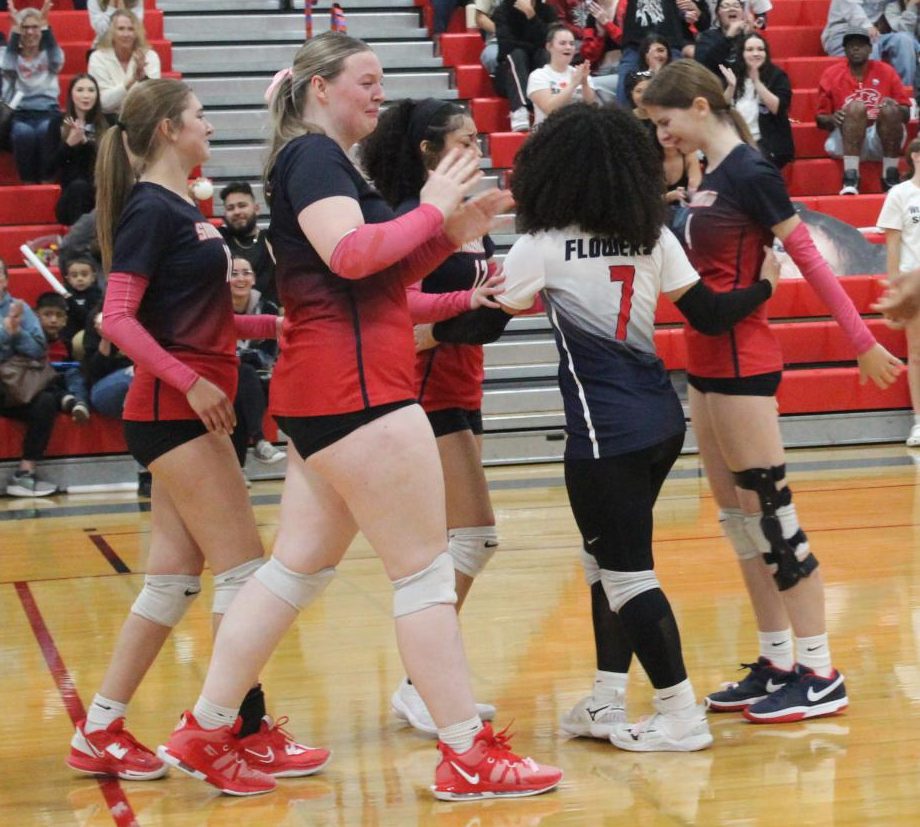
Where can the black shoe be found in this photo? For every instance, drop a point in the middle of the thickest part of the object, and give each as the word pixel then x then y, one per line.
pixel 850 183
pixel 890 179
pixel 144 481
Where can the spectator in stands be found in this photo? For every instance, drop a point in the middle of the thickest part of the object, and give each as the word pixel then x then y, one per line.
pixel 521 32
pixel 81 241
pixel 665 17
pixel 102 11
pixel 761 93
pixel 654 53
pixel 75 156
pixel 80 274
pixel 899 48
pixel 108 371
pixel 31 63
pixel 900 218
pixel 443 11
pixel 718 46
pixel 600 46
pixel 245 239
pixel 21 334
pixel 558 82
pixel 122 59
pixel 69 388
pixel 864 106
pixel 257 358
pixel 483 11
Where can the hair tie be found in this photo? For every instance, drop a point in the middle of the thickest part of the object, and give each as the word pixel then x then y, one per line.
pixel 121 125
pixel 277 80
pixel 422 116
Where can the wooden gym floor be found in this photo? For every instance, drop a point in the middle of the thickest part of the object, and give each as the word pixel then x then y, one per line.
pixel 70 568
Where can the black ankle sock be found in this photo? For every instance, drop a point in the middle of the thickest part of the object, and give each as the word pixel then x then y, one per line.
pixel 252 710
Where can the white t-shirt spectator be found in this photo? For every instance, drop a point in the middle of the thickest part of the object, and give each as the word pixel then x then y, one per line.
pixel 901 211
pixel 547 78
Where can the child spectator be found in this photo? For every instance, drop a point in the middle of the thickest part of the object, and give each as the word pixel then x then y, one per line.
pixel 80 274
pixel 107 370
pixel 70 387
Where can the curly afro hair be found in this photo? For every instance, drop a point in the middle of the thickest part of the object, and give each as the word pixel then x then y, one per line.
pixel 594 169
pixel 392 156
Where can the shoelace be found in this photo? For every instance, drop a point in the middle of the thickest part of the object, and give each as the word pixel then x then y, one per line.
pixel 278 728
pixel 500 745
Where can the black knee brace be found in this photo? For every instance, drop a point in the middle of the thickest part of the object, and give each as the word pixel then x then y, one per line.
pixel 788 558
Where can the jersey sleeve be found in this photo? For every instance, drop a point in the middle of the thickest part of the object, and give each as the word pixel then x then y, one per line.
pixel 892 215
pixel 762 193
pixel 676 269
pixel 315 169
pixel 142 237
pixel 525 274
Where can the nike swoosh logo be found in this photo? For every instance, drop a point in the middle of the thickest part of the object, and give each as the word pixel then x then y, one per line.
pixel 592 541
pixel 813 648
pixel 823 693
pixel 266 756
pixel 782 644
pixel 472 779
pixel 192 592
pixel 772 687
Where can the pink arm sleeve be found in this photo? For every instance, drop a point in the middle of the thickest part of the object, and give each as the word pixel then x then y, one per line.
pixel 371 248
pixel 425 308
pixel 822 279
pixel 421 261
pixel 120 326
pixel 255 327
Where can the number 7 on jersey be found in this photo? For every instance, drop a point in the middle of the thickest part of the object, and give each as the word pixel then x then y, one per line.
pixel 625 274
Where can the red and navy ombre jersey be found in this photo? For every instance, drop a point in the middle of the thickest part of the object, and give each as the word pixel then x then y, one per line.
pixel 187 306
pixel 727 229
pixel 348 342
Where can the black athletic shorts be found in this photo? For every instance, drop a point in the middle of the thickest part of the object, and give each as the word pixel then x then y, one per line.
pixel 451 420
pixel 763 384
pixel 148 441
pixel 310 434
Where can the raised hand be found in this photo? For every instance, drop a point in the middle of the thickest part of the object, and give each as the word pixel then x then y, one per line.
pixel 901 300
pixel 13 320
pixel 451 180
pixel 473 219
pixel 482 295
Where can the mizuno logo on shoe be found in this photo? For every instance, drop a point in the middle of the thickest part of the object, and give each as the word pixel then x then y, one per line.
pixel 472 779
pixel 772 687
pixel 823 693
pixel 268 756
pixel 593 712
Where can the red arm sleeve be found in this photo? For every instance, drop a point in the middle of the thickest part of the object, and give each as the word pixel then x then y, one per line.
pixel 255 327
pixel 120 326
pixel 435 307
pixel 421 261
pixel 371 248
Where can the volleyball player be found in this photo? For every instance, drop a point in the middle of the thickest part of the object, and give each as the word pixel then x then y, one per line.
pixel 600 261
pixel 740 206
pixel 411 139
pixel 167 307
pixel 364 455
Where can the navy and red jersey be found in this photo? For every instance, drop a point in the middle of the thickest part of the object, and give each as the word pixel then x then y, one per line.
pixel 187 306
pixel 450 376
pixel 727 228
pixel 348 342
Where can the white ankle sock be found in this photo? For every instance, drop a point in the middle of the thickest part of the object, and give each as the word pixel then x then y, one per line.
pixel 212 716
pixel 610 687
pixel 776 647
pixel 677 700
pixel 851 163
pixel 459 737
pixel 815 653
pixel 102 711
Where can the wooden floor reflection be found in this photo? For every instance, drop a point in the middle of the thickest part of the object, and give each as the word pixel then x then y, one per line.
pixel 527 629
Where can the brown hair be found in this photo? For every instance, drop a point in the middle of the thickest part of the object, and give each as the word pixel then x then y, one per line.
pixel 912 147
pixel 140 34
pixel 95 116
pixel 147 105
pixel 681 82
pixel 323 56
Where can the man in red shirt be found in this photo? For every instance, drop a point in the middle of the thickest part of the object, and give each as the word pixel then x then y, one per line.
pixel 864 106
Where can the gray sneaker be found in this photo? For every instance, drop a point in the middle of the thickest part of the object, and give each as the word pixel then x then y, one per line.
pixel 26 484
pixel 266 452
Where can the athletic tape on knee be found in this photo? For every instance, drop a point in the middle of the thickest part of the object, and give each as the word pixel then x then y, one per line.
pixel 434 584
pixel 590 565
pixel 229 582
pixel 732 523
pixel 471 548
pixel 165 598
pixel 622 586
pixel 296 589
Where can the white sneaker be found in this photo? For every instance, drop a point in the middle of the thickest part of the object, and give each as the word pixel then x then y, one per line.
pixel 26 484
pixel 266 452
pixel 590 719
pixel 408 705
pixel 520 120
pixel 663 732
pixel 913 439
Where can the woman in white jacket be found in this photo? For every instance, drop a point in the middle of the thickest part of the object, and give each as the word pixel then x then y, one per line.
pixel 122 59
pixel 101 11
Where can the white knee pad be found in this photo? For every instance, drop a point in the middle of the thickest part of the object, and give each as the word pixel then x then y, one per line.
pixel 229 582
pixel 431 586
pixel 296 589
pixel 732 523
pixel 622 586
pixel 471 548
pixel 165 598
pixel 591 567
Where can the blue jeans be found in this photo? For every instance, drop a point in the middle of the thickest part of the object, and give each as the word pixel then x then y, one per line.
pixel 33 136
pixel 108 394
pixel 72 381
